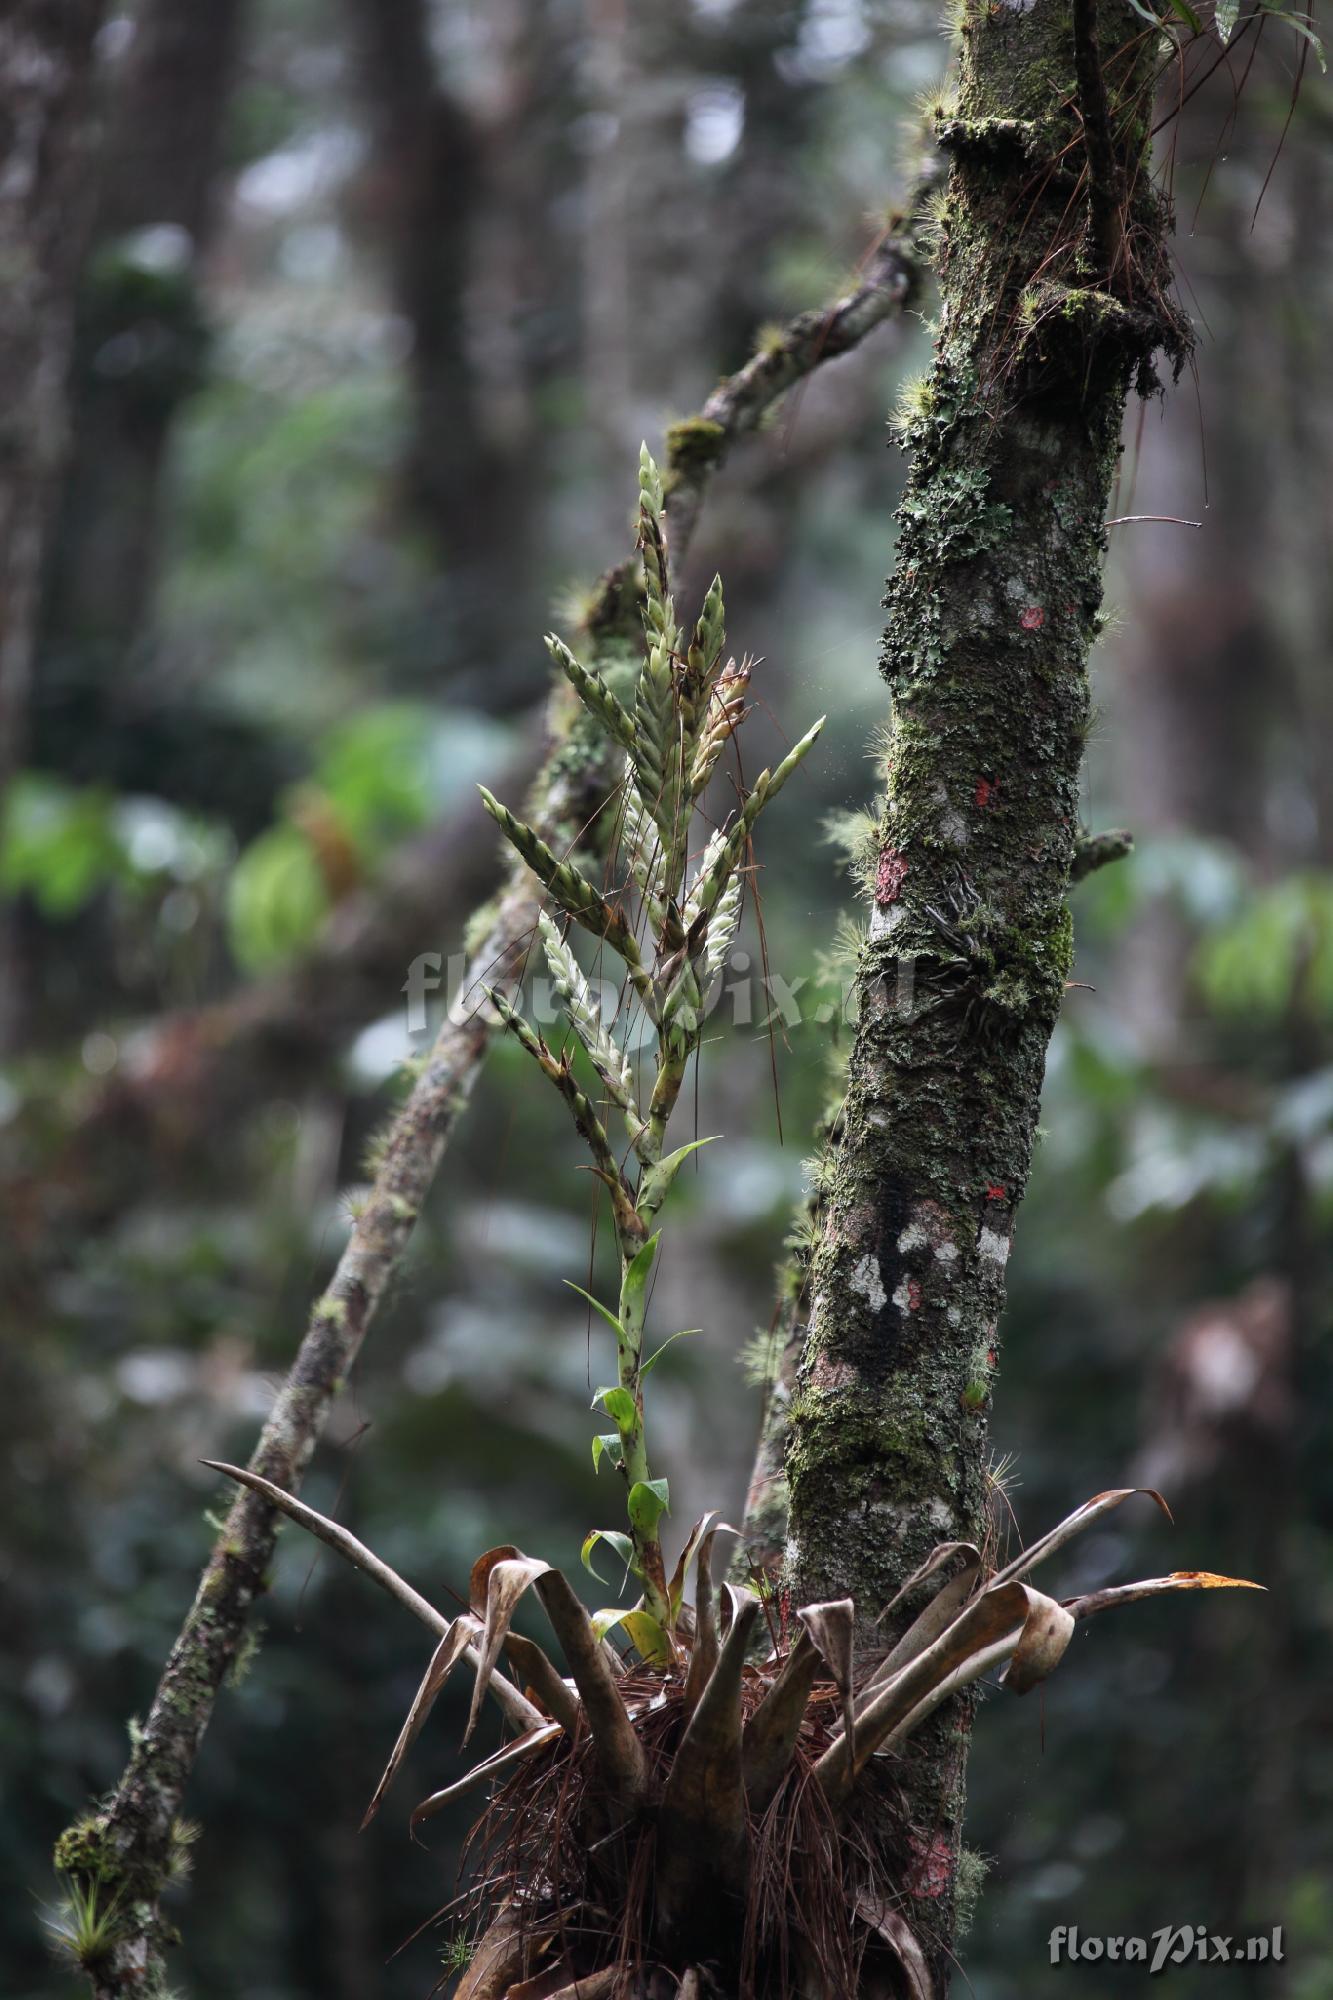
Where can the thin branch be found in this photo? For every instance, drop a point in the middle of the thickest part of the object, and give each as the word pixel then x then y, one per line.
pixel 1095 850
pixel 135 1824
pixel 889 284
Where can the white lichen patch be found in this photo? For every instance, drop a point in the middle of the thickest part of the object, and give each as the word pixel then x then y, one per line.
pixel 929 1229
pixel 866 1279
pixel 885 918
pixel 993 1247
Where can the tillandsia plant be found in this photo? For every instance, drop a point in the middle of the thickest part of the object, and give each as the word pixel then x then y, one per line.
pixel 672 925
pixel 707 1812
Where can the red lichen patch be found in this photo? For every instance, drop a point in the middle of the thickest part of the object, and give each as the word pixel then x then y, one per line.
pixel 1032 619
pixel 992 1358
pixel 913 1294
pixel 995 1192
pixel 828 1374
pixel 889 876
pixel 987 791
pixel 931 1870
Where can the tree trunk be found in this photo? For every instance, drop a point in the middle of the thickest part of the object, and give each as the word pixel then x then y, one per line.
pixel 102 714
pixel 460 200
pixel 140 327
pixel 1053 303
pixel 46 50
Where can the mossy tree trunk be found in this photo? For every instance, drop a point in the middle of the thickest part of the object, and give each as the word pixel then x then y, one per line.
pixel 1053 306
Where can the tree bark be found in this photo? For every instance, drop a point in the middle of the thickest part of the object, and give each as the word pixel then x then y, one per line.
pixel 46 54
pixel 140 344
pixel 461 197
pixel 992 611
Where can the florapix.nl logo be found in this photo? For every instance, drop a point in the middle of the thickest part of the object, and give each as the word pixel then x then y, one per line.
pixel 1171 1946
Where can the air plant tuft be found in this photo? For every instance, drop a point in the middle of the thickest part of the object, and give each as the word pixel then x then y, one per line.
pixel 695 1810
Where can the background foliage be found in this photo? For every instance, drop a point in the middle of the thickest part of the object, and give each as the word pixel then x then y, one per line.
pixel 345 426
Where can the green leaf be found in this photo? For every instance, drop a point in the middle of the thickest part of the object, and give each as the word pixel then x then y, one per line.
pixel 608 1445
pixel 656 1355
pixel 647 1637
pixel 622 1545
pixel 606 1621
pixel 377 770
pixel 649 1499
pixel 1177 7
pixel 619 1405
pixel 657 1180
pixel 634 1284
pixel 58 843
pixel 1302 27
pixel 277 899
pixel 1224 19
pixel 605 1311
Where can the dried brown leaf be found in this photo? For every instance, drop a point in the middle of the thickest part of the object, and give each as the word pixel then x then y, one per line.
pixel 1155 1586
pixel 831 1626
pixel 1074 1524
pixel 506 1581
pixel 893 1929
pixel 445 1658
pixel 490 1767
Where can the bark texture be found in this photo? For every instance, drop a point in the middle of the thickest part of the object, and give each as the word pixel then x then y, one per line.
pixel 46 53
pixel 992 610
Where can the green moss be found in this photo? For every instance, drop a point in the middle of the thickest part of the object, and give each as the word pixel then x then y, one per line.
pixel 247 1652
pixel 87 1849
pixel 479 926
pixel 694 446
pixel 969 1882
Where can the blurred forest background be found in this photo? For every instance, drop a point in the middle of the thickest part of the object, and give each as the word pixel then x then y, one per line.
pixel 376 301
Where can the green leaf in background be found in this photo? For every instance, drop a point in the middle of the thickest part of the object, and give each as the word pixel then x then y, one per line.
pixel 649 1499
pixel 377 770
pixel 277 899
pixel 1276 954
pixel 1302 27
pixel 1224 19
pixel 58 844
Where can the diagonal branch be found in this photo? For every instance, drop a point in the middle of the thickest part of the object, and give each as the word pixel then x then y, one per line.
pixel 131 1834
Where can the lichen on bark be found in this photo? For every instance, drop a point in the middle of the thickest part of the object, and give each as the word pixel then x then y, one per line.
pixel 992 609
